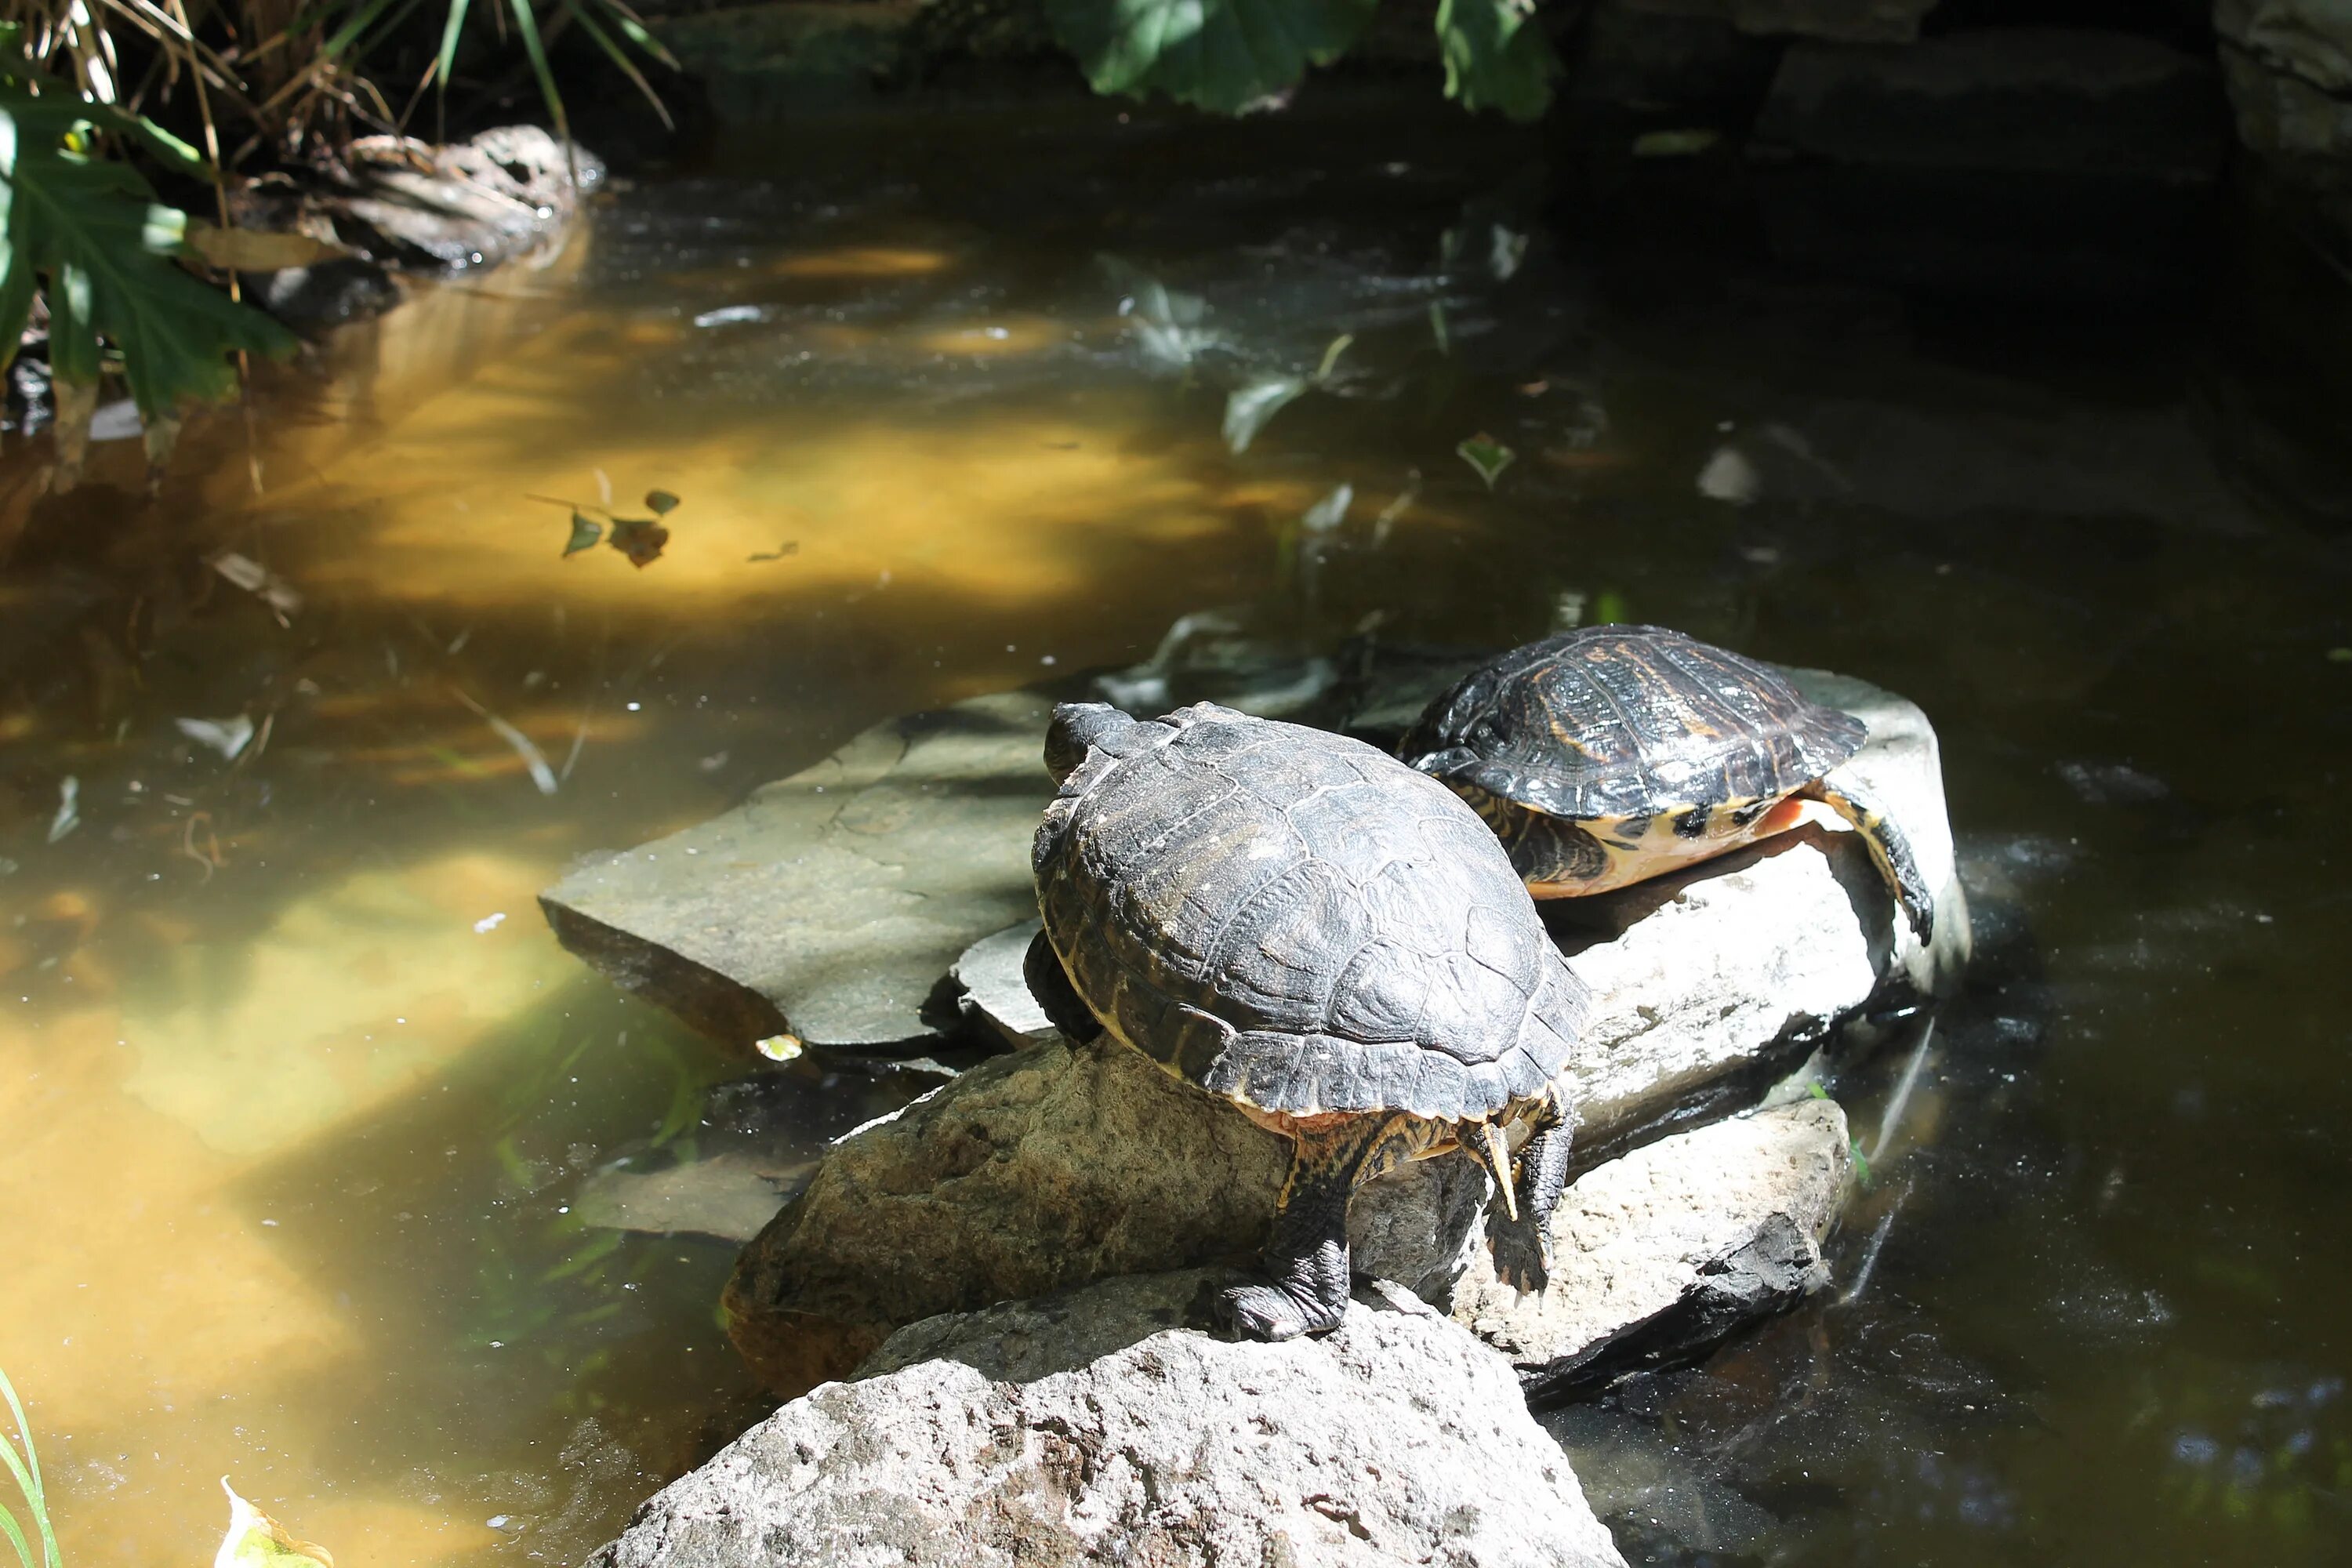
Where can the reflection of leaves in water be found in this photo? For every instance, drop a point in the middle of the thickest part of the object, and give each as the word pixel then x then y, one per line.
pixel 1219 55
pixel 1487 456
pixel 640 538
pixel 585 532
pixel 1247 408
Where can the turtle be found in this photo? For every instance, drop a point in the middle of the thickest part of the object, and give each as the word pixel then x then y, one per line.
pixel 1612 754
pixel 1298 924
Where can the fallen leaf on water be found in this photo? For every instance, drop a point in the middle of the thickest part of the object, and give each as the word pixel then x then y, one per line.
pixel 1487 457
pixel 1249 407
pixel 257 1541
pixel 779 1047
pixel 789 547
pixel 227 736
pixel 585 532
pixel 661 502
pixel 639 538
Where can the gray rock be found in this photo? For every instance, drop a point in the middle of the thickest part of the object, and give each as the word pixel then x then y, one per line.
pixel 1667 1250
pixel 2287 64
pixel 2024 99
pixel 1106 1426
pixel 1042 1171
pixel 994 990
pixel 830 905
pixel 499 195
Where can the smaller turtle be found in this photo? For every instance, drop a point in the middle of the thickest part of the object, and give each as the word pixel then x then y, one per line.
pixel 1295 922
pixel 1614 754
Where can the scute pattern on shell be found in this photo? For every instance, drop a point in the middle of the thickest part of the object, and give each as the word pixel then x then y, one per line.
pixel 1612 721
pixel 1300 923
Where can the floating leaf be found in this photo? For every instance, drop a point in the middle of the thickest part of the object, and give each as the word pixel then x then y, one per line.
pixel 1249 407
pixel 661 502
pixel 1218 54
pixel 1487 455
pixel 789 547
pixel 257 1541
pixel 780 1047
pixel 1496 56
pixel 640 538
pixel 585 532
pixel 228 736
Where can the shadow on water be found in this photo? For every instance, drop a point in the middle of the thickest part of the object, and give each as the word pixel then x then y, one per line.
pixel 301 1090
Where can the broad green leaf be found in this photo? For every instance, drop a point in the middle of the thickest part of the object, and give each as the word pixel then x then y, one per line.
pixel 91 234
pixel 585 532
pixel 1487 455
pixel 1249 407
pixel 1218 54
pixel 1496 56
pixel 257 1541
pixel 661 503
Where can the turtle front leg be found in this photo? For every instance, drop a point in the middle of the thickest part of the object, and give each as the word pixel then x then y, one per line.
pixel 1306 1257
pixel 1888 846
pixel 1523 1256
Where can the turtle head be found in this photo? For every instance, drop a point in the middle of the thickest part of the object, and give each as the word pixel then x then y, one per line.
pixel 1078 727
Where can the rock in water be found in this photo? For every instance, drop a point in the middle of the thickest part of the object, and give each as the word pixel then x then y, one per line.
pixel 1664 1251
pixel 830 905
pixel 994 991
pixel 1106 1425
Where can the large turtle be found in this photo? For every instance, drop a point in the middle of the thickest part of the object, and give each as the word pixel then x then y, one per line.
pixel 1611 753
pixel 1296 922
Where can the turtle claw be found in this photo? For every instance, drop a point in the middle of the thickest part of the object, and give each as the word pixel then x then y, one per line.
pixel 1522 1256
pixel 1269 1312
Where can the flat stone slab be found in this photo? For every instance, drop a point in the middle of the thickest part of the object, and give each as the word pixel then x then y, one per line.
pixel 830 905
pixel 1108 1425
pixel 1666 1251
pixel 994 991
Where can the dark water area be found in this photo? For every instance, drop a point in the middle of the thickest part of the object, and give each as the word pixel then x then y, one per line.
pixel 298 1098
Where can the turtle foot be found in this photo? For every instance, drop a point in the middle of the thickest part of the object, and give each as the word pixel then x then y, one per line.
pixel 1522 1259
pixel 1269 1312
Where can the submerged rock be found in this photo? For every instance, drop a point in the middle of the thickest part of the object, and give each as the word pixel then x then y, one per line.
pixel 830 905
pixel 1667 1250
pixel 1108 1425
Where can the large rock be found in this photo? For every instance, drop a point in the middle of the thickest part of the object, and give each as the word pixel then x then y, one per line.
pixel 1106 1425
pixel 1667 1250
pixel 830 905
pixel 2288 68
pixel 1041 1171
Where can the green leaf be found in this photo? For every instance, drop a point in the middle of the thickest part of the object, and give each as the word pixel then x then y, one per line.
pixel 526 21
pixel 93 231
pixel 585 532
pixel 1496 56
pixel 1218 54
pixel 661 503
pixel 640 538
pixel 454 24
pixel 1487 455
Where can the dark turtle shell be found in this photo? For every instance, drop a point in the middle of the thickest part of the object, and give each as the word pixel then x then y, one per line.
pixel 1295 921
pixel 1616 721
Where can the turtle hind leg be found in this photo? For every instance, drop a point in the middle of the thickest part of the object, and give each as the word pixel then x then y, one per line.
pixel 1049 982
pixel 1523 1255
pixel 1551 854
pixel 1306 1287
pixel 1888 846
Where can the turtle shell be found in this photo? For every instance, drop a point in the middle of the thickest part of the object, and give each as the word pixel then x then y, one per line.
pixel 1627 721
pixel 1299 922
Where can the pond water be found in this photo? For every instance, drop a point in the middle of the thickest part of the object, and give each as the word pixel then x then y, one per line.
pixel 296 1091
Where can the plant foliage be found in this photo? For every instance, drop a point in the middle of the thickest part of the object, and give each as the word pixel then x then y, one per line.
pixel 89 233
pixel 1218 54
pixel 24 1468
pixel 1496 56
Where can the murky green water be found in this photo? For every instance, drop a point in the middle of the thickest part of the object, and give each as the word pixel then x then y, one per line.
pixel 296 1091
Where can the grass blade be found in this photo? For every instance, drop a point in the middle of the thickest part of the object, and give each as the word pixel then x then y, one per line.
pixel 527 25
pixel 620 58
pixel 449 31
pixel 26 1472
